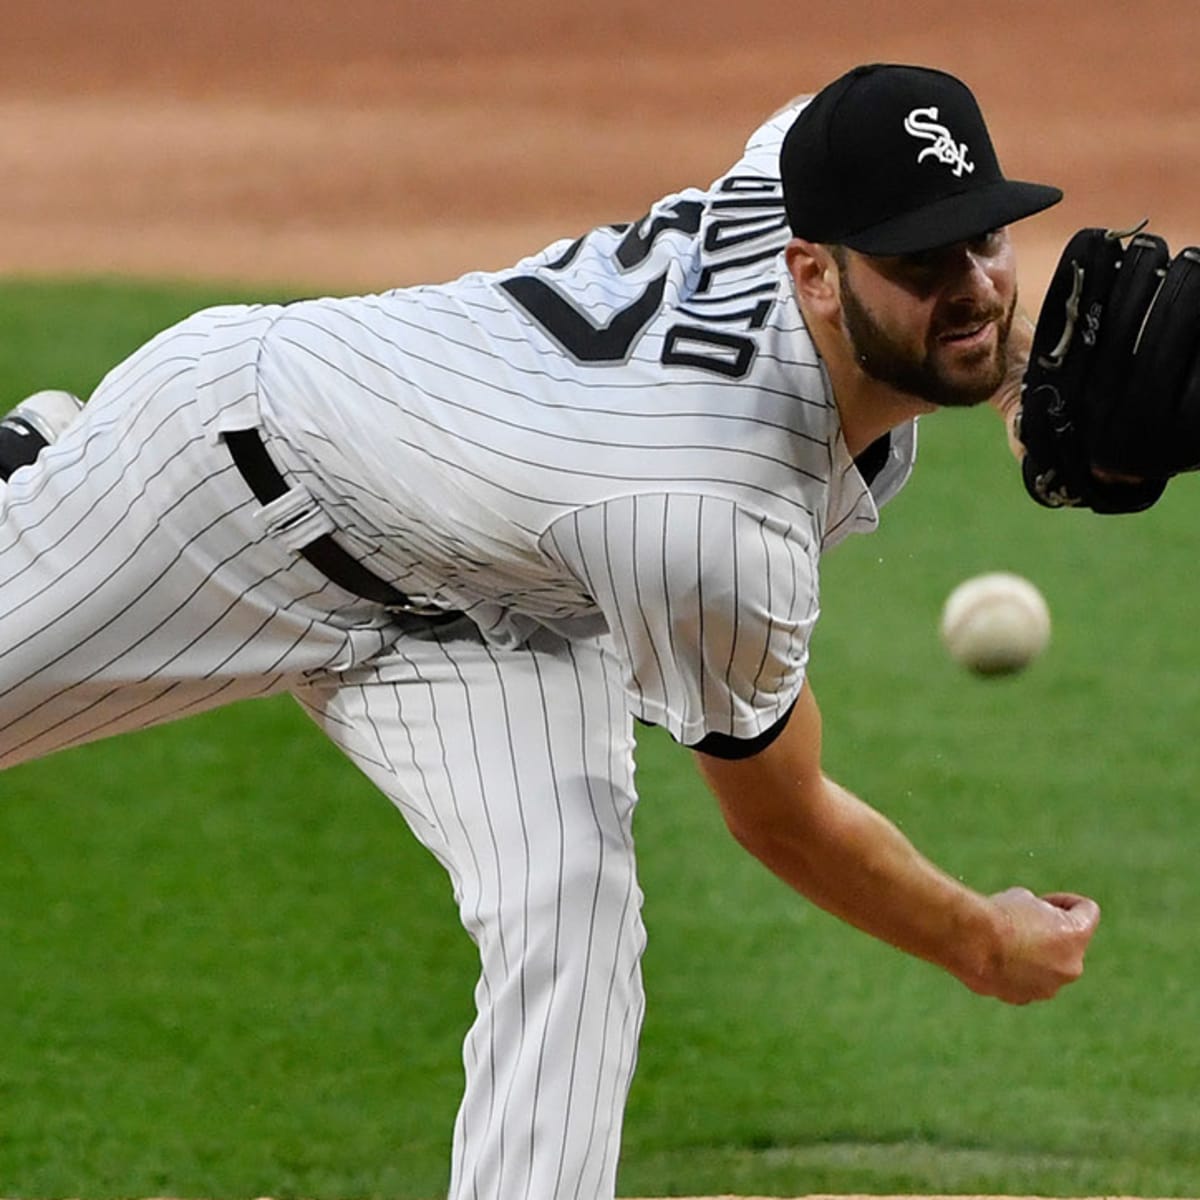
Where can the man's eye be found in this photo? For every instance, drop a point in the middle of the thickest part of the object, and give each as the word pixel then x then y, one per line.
pixel 989 241
pixel 920 265
pixel 913 261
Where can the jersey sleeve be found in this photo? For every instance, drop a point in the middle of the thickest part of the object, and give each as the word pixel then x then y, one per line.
pixel 711 607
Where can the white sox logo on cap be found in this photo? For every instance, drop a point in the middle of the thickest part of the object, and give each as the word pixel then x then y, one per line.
pixel 944 186
pixel 923 123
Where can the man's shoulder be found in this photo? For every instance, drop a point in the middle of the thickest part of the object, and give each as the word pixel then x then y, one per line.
pixel 763 145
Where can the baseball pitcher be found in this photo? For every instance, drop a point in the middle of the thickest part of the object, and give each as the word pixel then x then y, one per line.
pixel 480 529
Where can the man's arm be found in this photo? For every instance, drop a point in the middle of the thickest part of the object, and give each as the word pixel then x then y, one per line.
pixel 851 861
pixel 1007 400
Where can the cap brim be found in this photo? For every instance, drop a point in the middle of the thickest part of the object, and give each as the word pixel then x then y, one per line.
pixel 956 218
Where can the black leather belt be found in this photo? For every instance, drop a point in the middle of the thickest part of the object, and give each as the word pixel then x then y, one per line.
pixel 251 459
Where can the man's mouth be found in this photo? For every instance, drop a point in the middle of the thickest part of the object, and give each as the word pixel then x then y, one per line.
pixel 966 335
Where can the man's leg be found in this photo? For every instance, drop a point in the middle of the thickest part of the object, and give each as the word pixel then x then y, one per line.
pixel 516 769
pixel 137 583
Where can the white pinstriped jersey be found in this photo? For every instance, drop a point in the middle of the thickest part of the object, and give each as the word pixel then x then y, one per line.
pixel 631 432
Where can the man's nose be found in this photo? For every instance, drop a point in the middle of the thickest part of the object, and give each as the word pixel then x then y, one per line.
pixel 970 275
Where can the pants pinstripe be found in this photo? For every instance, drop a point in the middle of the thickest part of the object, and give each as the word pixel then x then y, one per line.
pixel 138 584
pixel 506 766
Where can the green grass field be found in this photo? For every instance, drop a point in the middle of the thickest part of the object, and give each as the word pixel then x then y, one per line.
pixel 227 970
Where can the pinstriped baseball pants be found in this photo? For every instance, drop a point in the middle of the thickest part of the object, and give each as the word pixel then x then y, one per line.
pixel 515 769
pixel 139 584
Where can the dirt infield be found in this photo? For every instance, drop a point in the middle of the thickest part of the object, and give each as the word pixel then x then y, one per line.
pixel 399 141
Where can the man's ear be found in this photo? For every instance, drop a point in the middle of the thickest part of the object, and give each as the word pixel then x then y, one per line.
pixel 815 275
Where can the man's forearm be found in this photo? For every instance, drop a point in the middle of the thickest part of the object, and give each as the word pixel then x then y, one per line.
pixel 1007 399
pixel 850 860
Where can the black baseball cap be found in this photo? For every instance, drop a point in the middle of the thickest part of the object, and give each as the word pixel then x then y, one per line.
pixel 893 159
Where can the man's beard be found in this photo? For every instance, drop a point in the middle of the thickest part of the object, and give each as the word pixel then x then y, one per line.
pixel 885 359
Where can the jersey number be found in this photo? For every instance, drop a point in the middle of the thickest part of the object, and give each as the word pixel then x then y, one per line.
pixel 685 345
pixel 574 330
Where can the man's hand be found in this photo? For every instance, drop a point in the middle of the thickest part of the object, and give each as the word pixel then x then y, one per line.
pixel 1110 408
pixel 1043 945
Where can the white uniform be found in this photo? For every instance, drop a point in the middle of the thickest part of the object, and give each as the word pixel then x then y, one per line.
pixel 620 459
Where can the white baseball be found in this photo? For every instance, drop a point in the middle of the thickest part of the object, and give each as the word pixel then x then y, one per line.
pixel 995 624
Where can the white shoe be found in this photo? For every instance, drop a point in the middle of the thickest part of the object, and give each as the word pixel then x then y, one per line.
pixel 44 414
